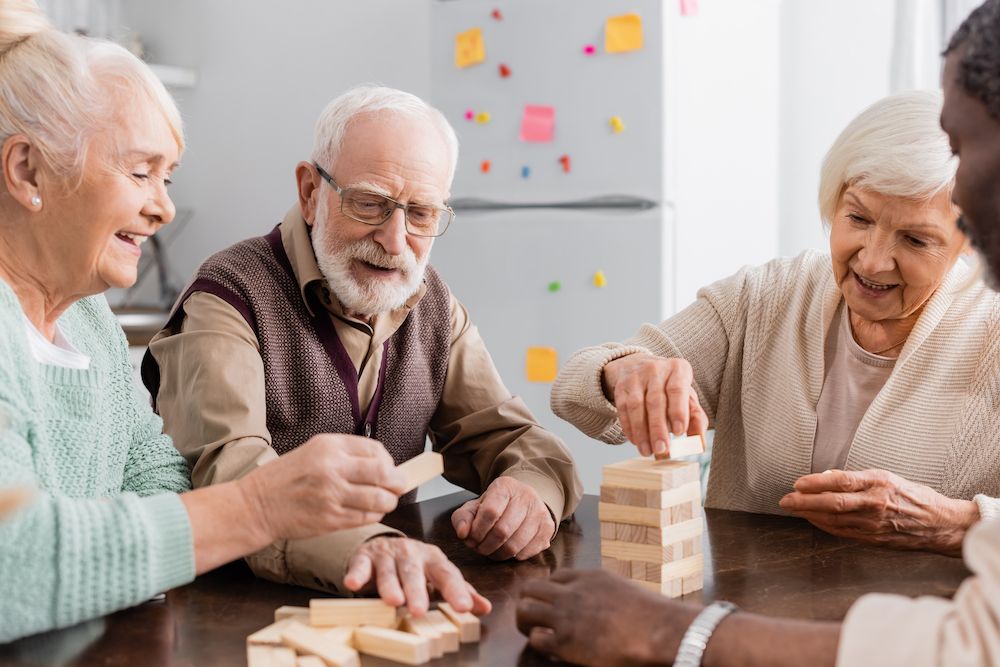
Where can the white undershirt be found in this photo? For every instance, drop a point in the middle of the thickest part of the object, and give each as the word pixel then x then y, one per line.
pixel 59 353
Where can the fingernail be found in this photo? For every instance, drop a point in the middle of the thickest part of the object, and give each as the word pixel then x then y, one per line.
pixel 784 501
pixel 465 601
pixel 678 428
pixel 660 447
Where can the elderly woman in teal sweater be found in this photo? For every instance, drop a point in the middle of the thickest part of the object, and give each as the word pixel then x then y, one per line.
pixel 89 138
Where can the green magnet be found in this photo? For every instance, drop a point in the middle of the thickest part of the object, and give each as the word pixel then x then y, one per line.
pixel 555 286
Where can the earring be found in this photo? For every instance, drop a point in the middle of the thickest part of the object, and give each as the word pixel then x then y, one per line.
pixel 36 201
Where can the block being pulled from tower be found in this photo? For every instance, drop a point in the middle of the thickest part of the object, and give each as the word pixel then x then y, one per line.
pixel 651 522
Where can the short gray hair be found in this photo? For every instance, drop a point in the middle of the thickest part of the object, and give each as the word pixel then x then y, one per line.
pixel 60 90
pixel 895 147
pixel 369 100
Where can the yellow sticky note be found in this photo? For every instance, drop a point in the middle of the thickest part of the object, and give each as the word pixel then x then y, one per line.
pixel 623 33
pixel 542 364
pixel 599 280
pixel 469 48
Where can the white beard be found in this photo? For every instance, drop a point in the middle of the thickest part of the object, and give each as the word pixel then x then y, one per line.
pixel 371 297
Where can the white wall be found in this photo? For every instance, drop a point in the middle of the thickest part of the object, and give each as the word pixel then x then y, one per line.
pixel 266 71
pixel 835 61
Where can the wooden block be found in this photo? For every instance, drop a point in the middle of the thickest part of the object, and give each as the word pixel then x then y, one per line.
pixel 682 512
pixel 622 567
pixel 648 473
pixel 638 570
pixel 449 633
pixel 282 656
pixel 342 635
pixel 421 468
pixel 310 661
pixel 666 535
pixel 352 612
pixel 693 444
pixel 393 645
pixel 312 642
pixel 653 553
pixel 671 589
pixel 692 546
pixel 618 495
pixel 270 656
pixel 637 516
pixel 423 627
pixel 269 636
pixel 300 614
pixel 662 499
pixel 630 532
pixel 608 530
pixel 14 498
pixel 692 583
pixel 684 567
pixel 466 622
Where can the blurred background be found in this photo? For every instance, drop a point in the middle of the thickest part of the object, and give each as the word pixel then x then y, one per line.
pixel 728 108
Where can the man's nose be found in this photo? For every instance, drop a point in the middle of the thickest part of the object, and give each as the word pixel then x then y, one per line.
pixel 391 234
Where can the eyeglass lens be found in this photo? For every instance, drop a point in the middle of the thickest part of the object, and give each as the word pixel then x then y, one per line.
pixel 372 209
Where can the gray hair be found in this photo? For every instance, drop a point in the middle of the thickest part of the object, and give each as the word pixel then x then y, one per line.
pixel 61 90
pixel 369 100
pixel 895 147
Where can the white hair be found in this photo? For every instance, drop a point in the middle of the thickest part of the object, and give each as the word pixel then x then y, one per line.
pixel 895 147
pixel 369 100
pixel 61 90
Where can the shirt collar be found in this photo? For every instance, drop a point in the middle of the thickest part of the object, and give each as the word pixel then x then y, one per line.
pixel 297 242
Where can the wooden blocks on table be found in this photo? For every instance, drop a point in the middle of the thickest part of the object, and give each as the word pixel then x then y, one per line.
pixel 421 468
pixel 651 523
pixel 333 631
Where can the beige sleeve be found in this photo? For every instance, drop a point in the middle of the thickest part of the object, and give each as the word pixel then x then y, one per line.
pixel 484 432
pixel 213 404
pixel 696 334
pixel 889 630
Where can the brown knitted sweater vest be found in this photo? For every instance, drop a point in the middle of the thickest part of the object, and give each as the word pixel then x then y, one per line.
pixel 312 385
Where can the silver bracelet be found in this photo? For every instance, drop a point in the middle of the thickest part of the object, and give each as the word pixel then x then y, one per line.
pixel 699 632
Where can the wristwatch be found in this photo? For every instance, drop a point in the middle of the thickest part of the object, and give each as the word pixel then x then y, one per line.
pixel 698 633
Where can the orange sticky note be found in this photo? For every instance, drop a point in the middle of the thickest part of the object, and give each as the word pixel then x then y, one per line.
pixel 538 123
pixel 469 48
pixel 542 364
pixel 623 33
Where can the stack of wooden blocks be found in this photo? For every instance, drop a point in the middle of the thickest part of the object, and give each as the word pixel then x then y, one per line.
pixel 332 632
pixel 651 521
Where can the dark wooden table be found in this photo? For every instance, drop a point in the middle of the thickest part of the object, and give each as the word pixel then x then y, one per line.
pixel 773 565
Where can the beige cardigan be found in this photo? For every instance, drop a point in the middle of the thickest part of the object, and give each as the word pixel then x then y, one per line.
pixel 755 341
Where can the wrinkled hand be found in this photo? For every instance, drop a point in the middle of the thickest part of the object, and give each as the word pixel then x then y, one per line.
pixel 594 618
pixel 402 569
pixel 881 508
pixel 508 521
pixel 654 398
pixel 331 482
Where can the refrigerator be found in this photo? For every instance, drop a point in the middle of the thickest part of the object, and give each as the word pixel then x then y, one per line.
pixel 530 235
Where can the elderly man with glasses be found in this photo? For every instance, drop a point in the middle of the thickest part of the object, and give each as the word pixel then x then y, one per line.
pixel 335 323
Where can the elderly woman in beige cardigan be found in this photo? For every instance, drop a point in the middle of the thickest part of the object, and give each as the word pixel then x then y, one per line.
pixel 867 361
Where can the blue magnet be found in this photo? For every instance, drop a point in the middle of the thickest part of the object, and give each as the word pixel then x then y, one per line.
pixel 525 172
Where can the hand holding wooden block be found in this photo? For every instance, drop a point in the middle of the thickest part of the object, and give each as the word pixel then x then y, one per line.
pixel 420 469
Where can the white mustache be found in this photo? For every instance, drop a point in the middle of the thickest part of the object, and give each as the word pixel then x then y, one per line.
pixel 369 251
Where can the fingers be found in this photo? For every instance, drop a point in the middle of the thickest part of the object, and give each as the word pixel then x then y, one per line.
pixel 359 571
pixel 491 507
pixel 632 401
pixel 510 526
pixel 653 399
pixel 541 589
pixel 698 425
pixel 532 613
pixel 447 579
pixel 846 481
pixel 536 545
pixel 480 605
pixel 387 578
pixel 833 503
pixel 462 518
pixel 678 402
pixel 544 639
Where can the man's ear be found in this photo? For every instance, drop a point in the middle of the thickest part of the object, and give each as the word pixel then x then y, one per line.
pixel 308 181
pixel 20 171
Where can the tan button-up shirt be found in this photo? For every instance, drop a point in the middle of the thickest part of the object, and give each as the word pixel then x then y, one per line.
pixel 212 400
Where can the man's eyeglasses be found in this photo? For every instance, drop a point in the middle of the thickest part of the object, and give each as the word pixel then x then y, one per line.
pixel 374 209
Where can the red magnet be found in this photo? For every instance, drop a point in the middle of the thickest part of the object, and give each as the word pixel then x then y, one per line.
pixel 485 166
pixel 589 49
pixel 497 15
pixel 469 115
pixel 504 71
pixel 565 163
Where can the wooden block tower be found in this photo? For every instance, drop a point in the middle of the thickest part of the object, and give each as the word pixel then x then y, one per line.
pixel 651 523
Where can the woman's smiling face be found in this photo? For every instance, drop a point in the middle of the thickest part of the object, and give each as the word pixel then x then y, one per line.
pixel 890 253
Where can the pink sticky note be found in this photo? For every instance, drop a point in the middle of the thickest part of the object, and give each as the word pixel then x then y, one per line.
pixel 469 114
pixel 538 123
pixel 589 49
pixel 689 7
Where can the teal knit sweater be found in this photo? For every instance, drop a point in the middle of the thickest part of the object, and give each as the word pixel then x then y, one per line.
pixel 107 529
